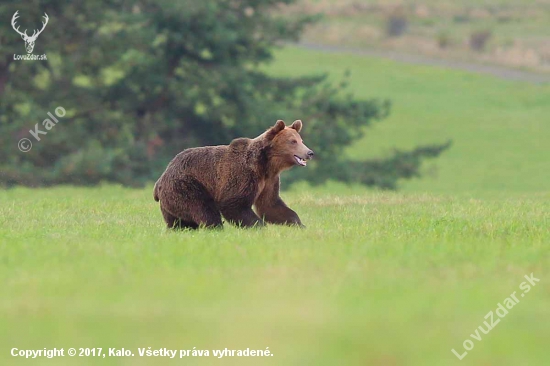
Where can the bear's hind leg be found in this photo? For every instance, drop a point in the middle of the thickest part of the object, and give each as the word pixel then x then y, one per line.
pixel 189 202
pixel 173 222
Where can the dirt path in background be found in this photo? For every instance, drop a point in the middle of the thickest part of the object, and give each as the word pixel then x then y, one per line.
pixel 498 71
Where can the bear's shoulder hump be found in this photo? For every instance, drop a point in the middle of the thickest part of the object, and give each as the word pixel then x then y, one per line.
pixel 240 143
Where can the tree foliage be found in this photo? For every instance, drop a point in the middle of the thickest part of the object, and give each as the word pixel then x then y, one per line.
pixel 142 80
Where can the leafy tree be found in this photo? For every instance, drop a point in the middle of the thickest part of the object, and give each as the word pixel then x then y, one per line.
pixel 142 80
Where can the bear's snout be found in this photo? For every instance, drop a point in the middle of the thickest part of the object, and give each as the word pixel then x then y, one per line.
pixel 310 154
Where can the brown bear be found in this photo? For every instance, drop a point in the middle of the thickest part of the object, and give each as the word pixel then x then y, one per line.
pixel 202 184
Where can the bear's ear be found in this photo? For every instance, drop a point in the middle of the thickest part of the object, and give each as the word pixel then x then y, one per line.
pixel 297 125
pixel 273 131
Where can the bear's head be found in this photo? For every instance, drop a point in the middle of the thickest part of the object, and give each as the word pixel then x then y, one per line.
pixel 285 146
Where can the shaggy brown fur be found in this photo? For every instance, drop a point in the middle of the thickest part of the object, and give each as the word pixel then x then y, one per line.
pixel 202 184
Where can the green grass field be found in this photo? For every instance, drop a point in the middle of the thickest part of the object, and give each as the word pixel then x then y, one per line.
pixel 376 278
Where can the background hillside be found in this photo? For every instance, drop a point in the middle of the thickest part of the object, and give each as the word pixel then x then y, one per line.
pixel 513 33
pixel 499 128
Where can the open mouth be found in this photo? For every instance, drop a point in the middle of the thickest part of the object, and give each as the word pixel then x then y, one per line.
pixel 300 161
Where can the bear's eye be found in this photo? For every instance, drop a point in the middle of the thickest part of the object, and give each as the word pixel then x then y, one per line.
pixel 294 142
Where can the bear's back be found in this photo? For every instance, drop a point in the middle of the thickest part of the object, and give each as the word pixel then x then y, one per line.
pixel 198 162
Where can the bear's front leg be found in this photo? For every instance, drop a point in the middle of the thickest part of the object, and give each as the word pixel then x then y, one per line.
pixel 278 212
pixel 272 208
pixel 241 216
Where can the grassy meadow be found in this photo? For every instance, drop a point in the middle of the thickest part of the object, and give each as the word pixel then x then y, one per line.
pixel 377 278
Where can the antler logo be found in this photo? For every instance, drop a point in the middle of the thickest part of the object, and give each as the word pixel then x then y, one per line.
pixel 29 40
